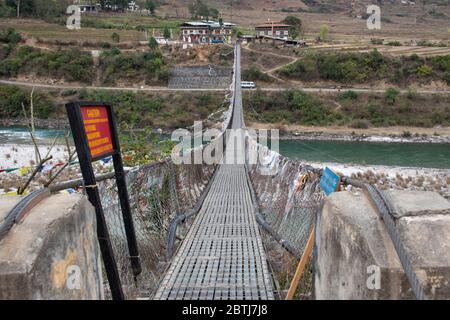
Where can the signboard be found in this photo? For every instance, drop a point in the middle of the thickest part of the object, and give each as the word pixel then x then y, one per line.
pixel 330 181
pixel 98 130
pixel 95 135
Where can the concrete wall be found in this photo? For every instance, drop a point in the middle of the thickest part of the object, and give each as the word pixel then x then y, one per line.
pixel 200 77
pixel 352 244
pixel 53 252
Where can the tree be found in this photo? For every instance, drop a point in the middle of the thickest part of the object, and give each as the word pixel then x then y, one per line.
pixel 214 13
pixel 324 30
pixel 390 95
pixel 166 33
pixel 21 6
pixel 199 9
pixel 150 6
pixel 152 44
pixel 296 26
pixel 115 37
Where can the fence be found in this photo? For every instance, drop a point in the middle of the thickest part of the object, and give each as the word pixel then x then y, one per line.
pixel 158 193
pixel 289 196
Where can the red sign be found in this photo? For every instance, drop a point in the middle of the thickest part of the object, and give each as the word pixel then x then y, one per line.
pixel 98 130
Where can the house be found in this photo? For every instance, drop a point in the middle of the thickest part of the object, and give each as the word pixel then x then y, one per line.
pixel 273 29
pixel 85 8
pixel 206 32
pixel 132 6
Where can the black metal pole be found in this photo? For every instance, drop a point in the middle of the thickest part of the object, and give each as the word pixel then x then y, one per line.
pixel 112 273
pixel 124 199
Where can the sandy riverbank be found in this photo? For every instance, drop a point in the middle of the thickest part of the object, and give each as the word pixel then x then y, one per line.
pixel 402 178
pixel 22 157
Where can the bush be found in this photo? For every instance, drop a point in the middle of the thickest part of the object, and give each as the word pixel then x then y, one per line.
pixel 10 36
pixel 424 70
pixel 394 43
pixel 349 94
pixel 255 74
pixel 71 65
pixel 12 97
pixel 390 95
pixel 10 67
pixel 447 77
pixel 364 67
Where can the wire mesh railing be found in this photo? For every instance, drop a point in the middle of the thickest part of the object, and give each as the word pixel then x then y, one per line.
pixel 289 197
pixel 158 193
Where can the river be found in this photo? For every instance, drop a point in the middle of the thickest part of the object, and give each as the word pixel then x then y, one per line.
pixel 425 155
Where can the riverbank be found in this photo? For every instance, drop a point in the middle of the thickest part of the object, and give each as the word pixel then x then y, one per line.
pixel 52 123
pixel 401 178
pixel 379 134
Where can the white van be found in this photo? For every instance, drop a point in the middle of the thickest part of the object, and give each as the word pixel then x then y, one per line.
pixel 248 85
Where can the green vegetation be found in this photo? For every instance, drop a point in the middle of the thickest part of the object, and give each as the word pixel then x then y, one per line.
pixel 150 6
pixel 292 106
pixel 296 24
pixel 366 67
pixel 148 66
pixel 198 9
pixel 355 110
pixel 71 65
pixel 10 36
pixel 323 34
pixel 152 44
pixel 255 74
pixel 390 95
pixel 34 8
pixel 115 37
pixel 140 147
pixel 133 110
pixel 11 99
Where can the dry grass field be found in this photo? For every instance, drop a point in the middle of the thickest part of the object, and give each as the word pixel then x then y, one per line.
pixel 33 28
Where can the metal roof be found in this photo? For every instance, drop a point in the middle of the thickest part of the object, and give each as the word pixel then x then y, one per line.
pixel 209 23
pixel 275 25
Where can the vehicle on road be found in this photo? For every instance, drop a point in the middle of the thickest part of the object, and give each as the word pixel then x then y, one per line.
pixel 248 85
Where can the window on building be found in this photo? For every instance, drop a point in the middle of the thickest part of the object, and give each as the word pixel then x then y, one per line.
pixel 278 32
pixel 286 32
pixel 269 33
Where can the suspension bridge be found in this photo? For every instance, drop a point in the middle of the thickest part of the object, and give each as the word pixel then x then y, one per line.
pixel 222 253
pixel 222 256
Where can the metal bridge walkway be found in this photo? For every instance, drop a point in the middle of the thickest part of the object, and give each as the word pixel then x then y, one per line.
pixel 222 256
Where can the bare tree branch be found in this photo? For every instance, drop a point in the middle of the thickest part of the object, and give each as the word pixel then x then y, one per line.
pixel 36 149
pixel 22 189
pixel 71 153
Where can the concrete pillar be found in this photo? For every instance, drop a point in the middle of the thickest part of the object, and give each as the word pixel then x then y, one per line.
pixel 355 258
pixel 53 252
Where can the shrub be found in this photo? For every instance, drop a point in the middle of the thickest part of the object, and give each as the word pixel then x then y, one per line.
pixel 394 43
pixel 10 67
pixel 447 77
pixel 254 74
pixel 115 37
pixel 390 95
pixel 10 36
pixel 12 97
pixel 424 70
pixel 349 94
pixel 376 41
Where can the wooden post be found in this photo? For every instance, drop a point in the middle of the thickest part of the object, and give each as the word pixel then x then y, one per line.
pixel 301 266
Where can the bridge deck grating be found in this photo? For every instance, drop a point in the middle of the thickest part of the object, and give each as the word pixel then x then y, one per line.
pixel 222 256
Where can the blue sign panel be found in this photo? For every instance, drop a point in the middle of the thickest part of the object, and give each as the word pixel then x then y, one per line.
pixel 329 181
